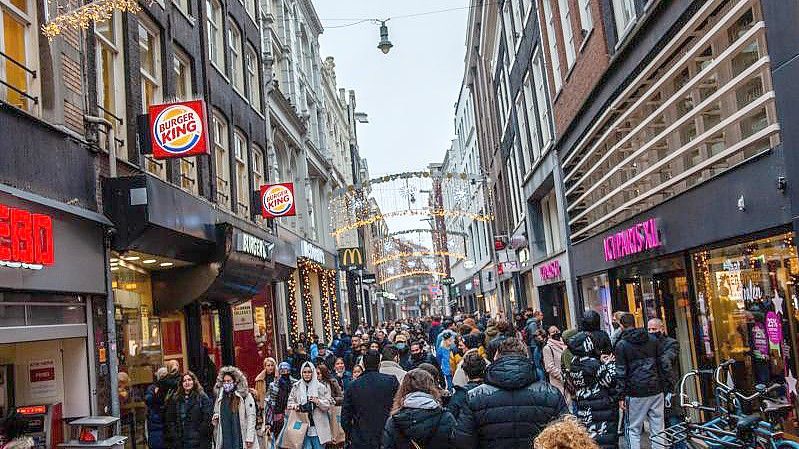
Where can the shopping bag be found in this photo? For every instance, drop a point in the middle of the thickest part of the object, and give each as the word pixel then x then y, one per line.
pixel 293 434
pixel 336 431
pixel 269 440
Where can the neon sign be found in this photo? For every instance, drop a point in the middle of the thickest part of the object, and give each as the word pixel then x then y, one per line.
pixel 550 270
pixel 26 239
pixel 636 239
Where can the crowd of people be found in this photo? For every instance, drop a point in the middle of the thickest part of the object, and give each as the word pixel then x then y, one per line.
pixel 462 382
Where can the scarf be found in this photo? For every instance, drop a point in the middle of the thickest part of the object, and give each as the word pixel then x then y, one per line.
pixel 308 389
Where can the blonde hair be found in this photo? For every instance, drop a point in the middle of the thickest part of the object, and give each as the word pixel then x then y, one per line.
pixel 566 433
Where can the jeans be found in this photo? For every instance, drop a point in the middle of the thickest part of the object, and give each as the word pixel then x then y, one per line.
pixel 648 408
pixel 311 443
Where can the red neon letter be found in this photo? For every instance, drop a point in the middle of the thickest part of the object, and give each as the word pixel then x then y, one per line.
pixel 21 236
pixel 44 252
pixel 5 233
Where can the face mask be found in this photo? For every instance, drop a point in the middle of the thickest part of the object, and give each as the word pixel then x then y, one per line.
pixel 401 346
pixel 227 388
pixel 556 335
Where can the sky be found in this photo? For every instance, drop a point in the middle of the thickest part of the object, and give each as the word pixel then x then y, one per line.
pixel 409 94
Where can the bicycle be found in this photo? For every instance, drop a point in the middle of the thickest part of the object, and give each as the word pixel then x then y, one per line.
pixel 729 426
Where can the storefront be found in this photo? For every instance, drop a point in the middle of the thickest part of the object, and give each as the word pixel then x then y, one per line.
pixel 549 278
pixel 721 274
pixel 52 310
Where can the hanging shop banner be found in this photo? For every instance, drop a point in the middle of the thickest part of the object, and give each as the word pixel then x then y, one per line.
pixel 350 258
pixel 178 129
pixel 277 200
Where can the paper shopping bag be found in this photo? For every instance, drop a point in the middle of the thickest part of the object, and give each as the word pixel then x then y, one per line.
pixel 293 434
pixel 336 431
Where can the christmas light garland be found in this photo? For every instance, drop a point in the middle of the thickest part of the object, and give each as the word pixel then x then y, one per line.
pixel 294 332
pixel 402 255
pixel 82 17
pixel 333 285
pixel 305 267
pixel 412 273
pixel 325 301
pixel 438 212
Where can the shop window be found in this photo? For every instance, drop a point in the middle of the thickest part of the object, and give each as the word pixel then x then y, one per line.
pixel 746 298
pixel 596 297
pixel 242 174
pixel 40 309
pixel 151 80
pixel 111 73
pixel 699 108
pixel 19 47
pixel 222 161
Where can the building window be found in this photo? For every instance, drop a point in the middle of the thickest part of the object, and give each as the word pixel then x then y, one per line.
pixel 151 80
pixel 531 117
pixel 549 214
pixel 697 109
pixel 624 14
pixel 20 47
pixel 258 178
pixel 222 160
pixel 252 8
pixel 549 19
pixel 568 32
pixel 242 174
pixel 234 49
pixel 183 6
pixel 253 78
pixel 215 40
pixel 182 66
pixel 524 134
pixel 110 69
pixel 542 102
pixel 586 19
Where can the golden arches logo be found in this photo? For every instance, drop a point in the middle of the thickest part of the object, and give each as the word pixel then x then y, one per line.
pixel 351 257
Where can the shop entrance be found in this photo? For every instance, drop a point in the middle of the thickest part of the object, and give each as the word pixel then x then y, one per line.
pixel 554 305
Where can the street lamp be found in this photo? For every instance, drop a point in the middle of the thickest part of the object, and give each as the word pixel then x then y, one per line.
pixel 385 44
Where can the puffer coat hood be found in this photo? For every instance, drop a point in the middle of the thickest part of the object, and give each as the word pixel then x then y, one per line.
pixel 422 420
pixel 591 321
pixel 241 380
pixel 511 373
pixel 640 365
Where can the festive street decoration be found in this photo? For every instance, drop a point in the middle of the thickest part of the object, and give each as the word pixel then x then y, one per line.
pixel 402 255
pixel 294 331
pixel 82 17
pixel 412 273
pixel 327 299
pixel 427 211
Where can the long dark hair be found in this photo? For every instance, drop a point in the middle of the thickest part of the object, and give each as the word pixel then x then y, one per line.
pixel 197 389
pixel 416 380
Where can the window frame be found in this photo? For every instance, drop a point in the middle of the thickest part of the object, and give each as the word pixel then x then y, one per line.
pixel 118 115
pixel 554 56
pixel 221 146
pixel 253 77
pixel 216 34
pixel 235 52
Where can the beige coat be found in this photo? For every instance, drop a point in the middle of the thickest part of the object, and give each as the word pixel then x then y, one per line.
pixel 247 410
pixel 320 417
pixel 552 355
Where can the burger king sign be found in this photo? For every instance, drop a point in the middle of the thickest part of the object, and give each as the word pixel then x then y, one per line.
pixel 277 200
pixel 178 129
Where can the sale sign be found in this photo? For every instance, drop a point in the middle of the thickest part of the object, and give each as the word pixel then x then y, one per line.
pixel 178 129
pixel 277 200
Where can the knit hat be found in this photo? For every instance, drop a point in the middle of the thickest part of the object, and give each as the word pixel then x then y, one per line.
pixel 284 365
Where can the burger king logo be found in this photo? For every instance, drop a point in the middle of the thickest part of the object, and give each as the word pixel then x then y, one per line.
pixel 178 129
pixel 277 200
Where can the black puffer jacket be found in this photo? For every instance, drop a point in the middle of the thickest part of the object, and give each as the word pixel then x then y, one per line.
pixel 460 398
pixel 510 409
pixel 594 391
pixel 640 370
pixel 429 426
pixel 193 431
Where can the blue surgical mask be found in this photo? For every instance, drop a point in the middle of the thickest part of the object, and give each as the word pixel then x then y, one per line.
pixel 401 346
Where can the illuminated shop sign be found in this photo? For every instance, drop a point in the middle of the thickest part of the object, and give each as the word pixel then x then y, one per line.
pixel 26 239
pixel 636 239
pixel 313 252
pixel 178 129
pixel 550 270
pixel 252 245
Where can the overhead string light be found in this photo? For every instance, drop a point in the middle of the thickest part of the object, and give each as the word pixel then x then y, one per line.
pixel 83 16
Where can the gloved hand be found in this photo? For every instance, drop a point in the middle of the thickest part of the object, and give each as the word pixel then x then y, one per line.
pixel 668 400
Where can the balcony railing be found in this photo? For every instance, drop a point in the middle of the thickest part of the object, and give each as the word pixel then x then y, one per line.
pixel 19 92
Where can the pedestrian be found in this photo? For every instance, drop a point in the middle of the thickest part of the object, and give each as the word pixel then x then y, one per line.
pixel 591 378
pixel 207 373
pixel 511 407
pixel 324 376
pixel 670 350
pixel 565 433
pixel 171 382
pixel 389 363
pixel 234 411
pixel 443 354
pixel 434 330
pixel 324 355
pixel 188 416
pixel 532 325
pixel 614 336
pixel 419 355
pixel 592 323
pixel 277 400
pixel 342 376
pixel 351 353
pixel 298 359
pixel 404 351
pixel 417 418
pixel 537 353
pixel 263 380
pixel 473 368
pixel 155 412
pixel 357 370
pixel 13 433
pixel 470 344
pixel 313 347
pixel 367 404
pixel 642 378
pixel 311 396
pixel 504 331
pixel 553 352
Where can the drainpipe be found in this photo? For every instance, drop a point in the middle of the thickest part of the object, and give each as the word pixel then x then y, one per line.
pixel 110 143
pixel 113 363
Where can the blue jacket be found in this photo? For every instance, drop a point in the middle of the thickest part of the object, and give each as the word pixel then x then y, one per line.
pixel 442 354
pixel 155 418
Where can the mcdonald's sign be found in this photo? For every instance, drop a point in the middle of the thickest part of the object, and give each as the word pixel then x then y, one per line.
pixel 350 258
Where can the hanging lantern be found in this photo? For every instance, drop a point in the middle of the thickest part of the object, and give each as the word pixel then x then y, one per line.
pixel 385 44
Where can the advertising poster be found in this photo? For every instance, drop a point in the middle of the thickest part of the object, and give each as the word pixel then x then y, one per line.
pixel 41 376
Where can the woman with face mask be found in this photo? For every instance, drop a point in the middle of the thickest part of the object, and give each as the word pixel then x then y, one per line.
pixel 311 396
pixel 277 400
pixel 234 411
pixel 188 415
pixel 553 351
